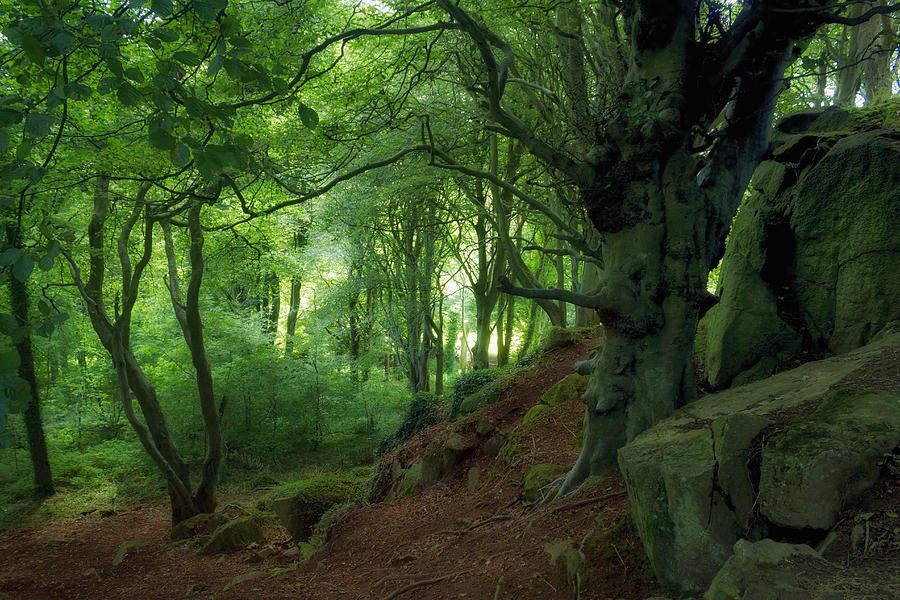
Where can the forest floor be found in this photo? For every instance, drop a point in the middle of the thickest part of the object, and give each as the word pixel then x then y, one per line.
pixel 446 542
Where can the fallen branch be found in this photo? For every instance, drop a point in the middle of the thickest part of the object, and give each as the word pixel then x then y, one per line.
pixel 476 525
pixel 417 584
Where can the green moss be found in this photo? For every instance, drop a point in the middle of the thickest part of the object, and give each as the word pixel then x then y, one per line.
pixel 539 477
pixel 534 413
pixel 569 387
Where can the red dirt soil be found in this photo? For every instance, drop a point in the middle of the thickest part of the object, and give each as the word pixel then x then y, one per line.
pixel 446 542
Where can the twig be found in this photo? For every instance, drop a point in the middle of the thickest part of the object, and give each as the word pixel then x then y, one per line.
pixel 476 525
pixel 387 578
pixel 417 584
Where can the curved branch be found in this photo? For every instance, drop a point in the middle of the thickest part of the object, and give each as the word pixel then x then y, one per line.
pixel 575 298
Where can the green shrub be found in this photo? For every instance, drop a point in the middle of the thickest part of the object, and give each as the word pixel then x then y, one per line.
pixel 469 383
pixel 424 410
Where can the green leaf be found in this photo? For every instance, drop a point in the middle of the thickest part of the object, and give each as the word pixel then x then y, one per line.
pixel 128 94
pixel 163 102
pixel 33 49
pixel 23 268
pixel 9 116
pixel 110 33
pixel 308 116
pixel 46 262
pixel 162 139
pixel 186 57
pixel 62 41
pixel 108 85
pixel 107 51
pixel 4 142
pixel 215 64
pixel 234 68
pixel 78 91
pixel 8 326
pixel 166 35
pixel 44 307
pixel 115 66
pixel 163 8
pixel 9 359
pixel 24 149
pixel 209 9
pixel 181 155
pixel 38 124
pixel 9 256
pixel 134 74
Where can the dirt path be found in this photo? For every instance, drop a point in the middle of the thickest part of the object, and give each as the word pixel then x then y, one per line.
pixel 446 542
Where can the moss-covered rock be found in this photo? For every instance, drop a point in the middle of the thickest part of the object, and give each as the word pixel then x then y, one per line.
pixel 441 457
pixel 534 413
pixel 812 255
pixel 569 564
pixel 234 535
pixel 300 504
pixel 770 570
pixel 411 481
pixel 694 479
pixel 196 525
pixel 572 386
pixel 560 337
pixel 539 478
pixel 813 468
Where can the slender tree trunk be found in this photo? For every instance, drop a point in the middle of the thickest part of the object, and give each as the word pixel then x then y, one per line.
pixel 439 349
pixel 34 424
pixel 291 325
pixel 275 311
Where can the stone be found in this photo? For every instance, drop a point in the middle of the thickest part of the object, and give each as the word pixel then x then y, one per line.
pixel 540 477
pixel 299 505
pixel 764 368
pixel 124 548
pixel 568 562
pixel 768 570
pixel 811 260
pixel 234 535
pixel 441 457
pixel 198 524
pixel 570 387
pixel 814 468
pixel 493 445
pixel 559 337
pixel 411 483
pixel 693 479
pixel 534 413
pixel 474 479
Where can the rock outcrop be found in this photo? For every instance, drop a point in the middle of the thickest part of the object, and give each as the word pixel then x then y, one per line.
pixel 812 259
pixel 786 452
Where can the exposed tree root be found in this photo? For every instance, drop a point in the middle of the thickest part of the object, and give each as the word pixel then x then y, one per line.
pixel 476 525
pixel 418 584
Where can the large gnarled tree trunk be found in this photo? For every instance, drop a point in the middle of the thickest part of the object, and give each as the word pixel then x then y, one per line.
pixel 671 159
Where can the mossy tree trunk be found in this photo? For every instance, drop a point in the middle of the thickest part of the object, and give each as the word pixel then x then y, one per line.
pixel 34 423
pixel 667 165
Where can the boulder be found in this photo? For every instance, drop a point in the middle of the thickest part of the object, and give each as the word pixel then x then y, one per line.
pixel 198 524
pixel 811 261
pixel 768 570
pixel 571 386
pixel 441 457
pixel 234 535
pixel 299 505
pixel 538 478
pixel 534 413
pixel 694 480
pixel 814 468
pixel 411 483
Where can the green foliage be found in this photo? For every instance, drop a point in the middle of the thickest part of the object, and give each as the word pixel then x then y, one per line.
pixel 469 383
pixel 424 410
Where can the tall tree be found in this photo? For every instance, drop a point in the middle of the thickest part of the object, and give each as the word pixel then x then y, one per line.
pixel 661 176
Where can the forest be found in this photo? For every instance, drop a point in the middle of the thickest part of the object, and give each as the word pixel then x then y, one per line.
pixel 258 250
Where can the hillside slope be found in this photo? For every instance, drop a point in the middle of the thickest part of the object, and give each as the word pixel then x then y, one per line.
pixel 455 539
